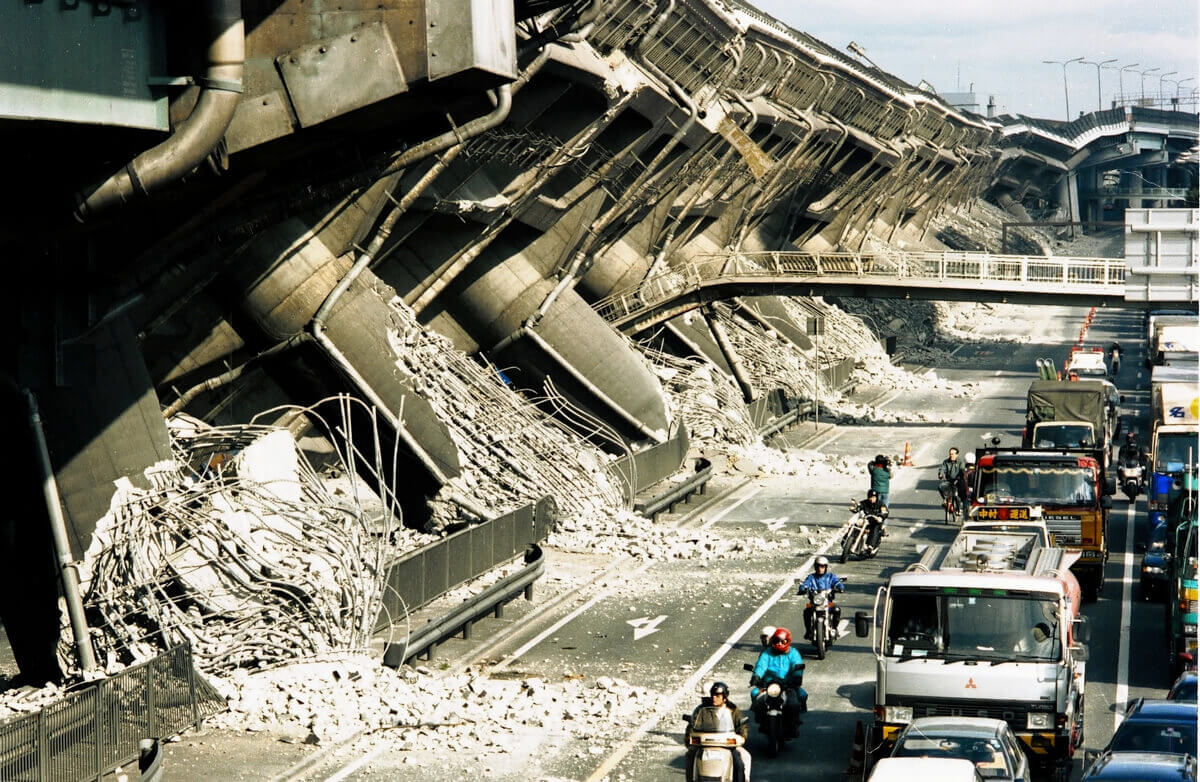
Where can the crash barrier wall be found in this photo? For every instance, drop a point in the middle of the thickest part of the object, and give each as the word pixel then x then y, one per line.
pixel 650 506
pixel 429 572
pixel 93 730
pixel 424 639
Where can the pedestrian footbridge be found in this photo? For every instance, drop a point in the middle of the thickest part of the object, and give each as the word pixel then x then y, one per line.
pixel 947 276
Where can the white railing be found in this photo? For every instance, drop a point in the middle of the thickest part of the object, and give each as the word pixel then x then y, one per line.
pixel 1018 273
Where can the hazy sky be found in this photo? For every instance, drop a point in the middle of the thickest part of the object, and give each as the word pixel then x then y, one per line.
pixel 1000 46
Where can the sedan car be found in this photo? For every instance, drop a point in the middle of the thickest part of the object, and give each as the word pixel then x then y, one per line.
pixel 1142 767
pixel 1155 726
pixel 989 744
pixel 1184 688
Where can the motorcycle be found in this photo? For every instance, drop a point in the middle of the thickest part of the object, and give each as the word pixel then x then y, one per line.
pixel 712 741
pixel 824 628
pixel 772 722
pixel 856 541
pixel 1130 477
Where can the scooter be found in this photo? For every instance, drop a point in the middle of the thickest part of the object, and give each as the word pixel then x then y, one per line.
pixel 1130 477
pixel 824 628
pixel 713 740
pixel 772 721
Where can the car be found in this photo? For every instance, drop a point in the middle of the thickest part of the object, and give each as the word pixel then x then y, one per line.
pixel 1184 688
pixel 1087 364
pixel 1142 767
pixel 989 744
pixel 1154 725
pixel 1156 565
pixel 924 769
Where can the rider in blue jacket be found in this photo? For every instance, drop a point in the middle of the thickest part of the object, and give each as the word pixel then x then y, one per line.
pixel 779 661
pixel 821 578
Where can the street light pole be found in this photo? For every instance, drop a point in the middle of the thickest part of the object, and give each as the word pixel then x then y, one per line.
pixel 1121 79
pixel 1066 93
pixel 1160 83
pixel 1148 70
pixel 1182 81
pixel 1099 65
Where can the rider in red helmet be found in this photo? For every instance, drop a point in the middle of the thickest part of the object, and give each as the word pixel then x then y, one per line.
pixel 779 661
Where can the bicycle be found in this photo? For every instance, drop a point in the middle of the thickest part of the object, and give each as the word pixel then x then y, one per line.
pixel 953 507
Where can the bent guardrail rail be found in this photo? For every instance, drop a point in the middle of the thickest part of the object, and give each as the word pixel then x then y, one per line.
pixel 424 639
pixel 978 273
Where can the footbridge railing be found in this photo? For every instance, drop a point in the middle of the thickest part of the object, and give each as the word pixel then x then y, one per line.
pixel 951 275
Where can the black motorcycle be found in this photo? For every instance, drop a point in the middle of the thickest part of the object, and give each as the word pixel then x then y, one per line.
pixel 824 619
pixel 772 717
pixel 861 538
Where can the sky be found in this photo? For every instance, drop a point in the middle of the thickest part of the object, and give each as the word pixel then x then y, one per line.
pixel 1000 47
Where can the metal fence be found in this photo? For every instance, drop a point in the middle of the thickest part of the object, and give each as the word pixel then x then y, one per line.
pixel 92 730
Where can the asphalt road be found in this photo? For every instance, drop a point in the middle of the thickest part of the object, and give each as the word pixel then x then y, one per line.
pixel 675 626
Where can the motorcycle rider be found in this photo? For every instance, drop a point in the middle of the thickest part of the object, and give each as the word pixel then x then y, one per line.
pixel 821 578
pixel 1114 358
pixel 718 698
pixel 779 661
pixel 876 512
pixel 1131 451
pixel 950 475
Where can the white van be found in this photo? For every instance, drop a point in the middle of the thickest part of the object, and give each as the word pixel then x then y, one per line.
pixel 925 769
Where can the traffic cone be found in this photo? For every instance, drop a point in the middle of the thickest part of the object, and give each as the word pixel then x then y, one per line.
pixel 857 753
pixel 907 460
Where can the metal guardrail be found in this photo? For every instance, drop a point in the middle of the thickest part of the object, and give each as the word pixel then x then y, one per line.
pixel 652 506
pixel 1053 274
pixel 94 729
pixel 424 639
pixel 423 575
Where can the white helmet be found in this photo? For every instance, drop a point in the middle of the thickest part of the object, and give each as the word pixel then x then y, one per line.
pixel 821 560
pixel 970 457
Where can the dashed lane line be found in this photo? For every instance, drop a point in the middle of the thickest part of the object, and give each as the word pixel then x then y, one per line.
pixel 1122 694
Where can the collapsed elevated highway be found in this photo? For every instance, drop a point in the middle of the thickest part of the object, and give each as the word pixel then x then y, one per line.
pixel 226 205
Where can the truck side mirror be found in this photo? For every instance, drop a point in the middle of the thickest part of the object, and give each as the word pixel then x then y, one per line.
pixel 1083 631
pixel 1110 485
pixel 862 624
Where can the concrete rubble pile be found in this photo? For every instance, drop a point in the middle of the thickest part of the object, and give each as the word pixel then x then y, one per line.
pixel 239 550
pixel 705 399
pixel 512 453
pixel 768 360
pixel 322 702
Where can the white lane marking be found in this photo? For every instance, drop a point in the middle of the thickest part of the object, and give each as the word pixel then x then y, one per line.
pixel 689 686
pixel 1122 694
pixel 554 628
pixel 347 770
pixel 730 509
pixel 644 626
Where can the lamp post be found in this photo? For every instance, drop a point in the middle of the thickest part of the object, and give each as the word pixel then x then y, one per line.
pixel 1064 64
pixel 1182 81
pixel 1121 79
pixel 1161 79
pixel 1148 70
pixel 1099 65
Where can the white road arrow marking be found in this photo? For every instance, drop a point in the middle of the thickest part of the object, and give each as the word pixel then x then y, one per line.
pixel 775 524
pixel 644 626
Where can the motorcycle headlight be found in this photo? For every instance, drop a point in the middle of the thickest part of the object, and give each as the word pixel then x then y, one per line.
pixel 1039 720
pixel 774 690
pixel 897 714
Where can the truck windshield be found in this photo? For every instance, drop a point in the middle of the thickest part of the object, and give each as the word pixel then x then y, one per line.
pixel 950 625
pixel 1017 484
pixel 1173 451
pixel 1063 436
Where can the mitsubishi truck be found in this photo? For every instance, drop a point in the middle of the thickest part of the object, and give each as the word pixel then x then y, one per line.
pixel 1068 489
pixel 987 626
pixel 1071 414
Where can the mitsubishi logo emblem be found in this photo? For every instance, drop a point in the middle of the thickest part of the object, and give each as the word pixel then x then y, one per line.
pixel 970 685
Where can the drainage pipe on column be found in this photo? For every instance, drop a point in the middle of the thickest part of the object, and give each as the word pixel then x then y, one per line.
pixel 62 546
pixel 194 139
